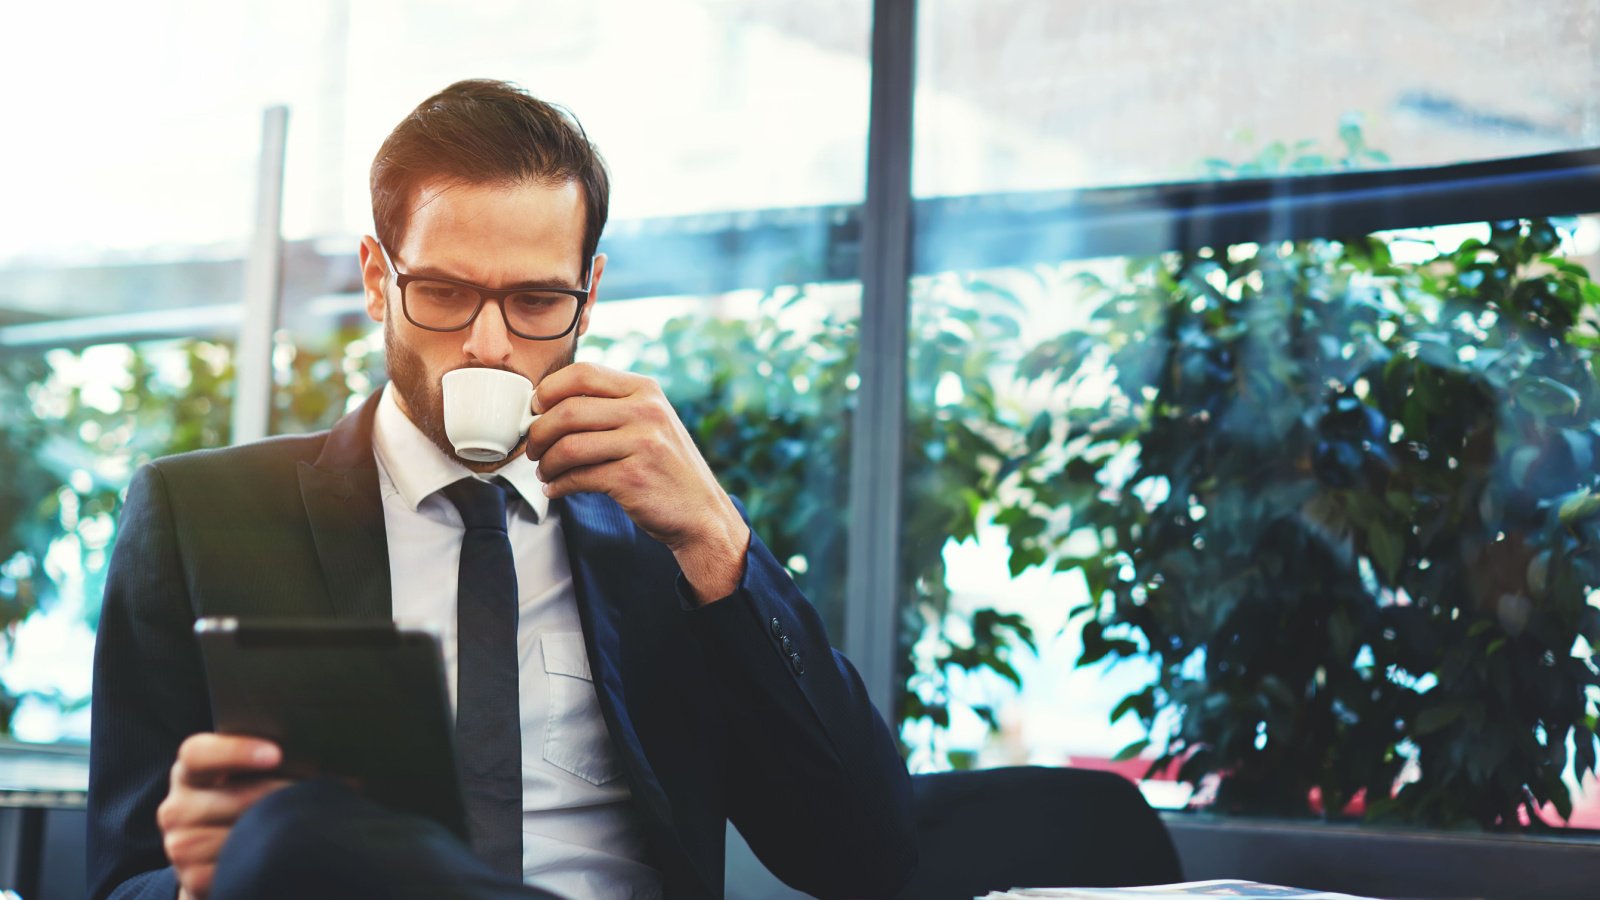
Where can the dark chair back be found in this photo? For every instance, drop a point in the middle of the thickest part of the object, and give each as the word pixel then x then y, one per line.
pixel 1032 826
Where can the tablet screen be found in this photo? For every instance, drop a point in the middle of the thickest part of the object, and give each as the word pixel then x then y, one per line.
pixel 364 701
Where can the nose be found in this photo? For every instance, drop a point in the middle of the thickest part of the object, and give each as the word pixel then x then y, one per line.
pixel 488 341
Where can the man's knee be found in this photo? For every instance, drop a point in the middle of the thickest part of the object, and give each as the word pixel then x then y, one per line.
pixel 297 842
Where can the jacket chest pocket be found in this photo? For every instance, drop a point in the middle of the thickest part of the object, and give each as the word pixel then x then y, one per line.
pixel 575 736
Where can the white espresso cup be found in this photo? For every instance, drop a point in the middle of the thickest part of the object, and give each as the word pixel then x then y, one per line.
pixel 486 412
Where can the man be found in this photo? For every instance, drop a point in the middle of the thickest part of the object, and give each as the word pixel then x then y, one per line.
pixel 647 671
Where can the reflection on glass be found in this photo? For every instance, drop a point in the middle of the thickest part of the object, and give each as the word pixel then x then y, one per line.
pixel 1014 95
pixel 1314 524
pixel 704 110
pixel 765 382
pixel 73 426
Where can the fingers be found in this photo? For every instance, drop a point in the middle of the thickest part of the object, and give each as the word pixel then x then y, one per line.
pixel 215 779
pixel 195 881
pixel 585 449
pixel 193 852
pixel 603 478
pixel 189 807
pixel 586 380
pixel 574 415
pixel 207 759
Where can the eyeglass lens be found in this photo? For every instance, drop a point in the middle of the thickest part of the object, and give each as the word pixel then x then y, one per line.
pixel 439 304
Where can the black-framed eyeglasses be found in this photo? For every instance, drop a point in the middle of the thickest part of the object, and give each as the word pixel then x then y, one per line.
pixel 443 304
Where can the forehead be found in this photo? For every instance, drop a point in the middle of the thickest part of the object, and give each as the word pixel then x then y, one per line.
pixel 497 233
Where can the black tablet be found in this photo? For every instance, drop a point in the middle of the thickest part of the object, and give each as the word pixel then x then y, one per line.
pixel 360 701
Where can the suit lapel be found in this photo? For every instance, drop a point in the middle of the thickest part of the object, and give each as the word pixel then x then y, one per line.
pixel 340 492
pixel 598 534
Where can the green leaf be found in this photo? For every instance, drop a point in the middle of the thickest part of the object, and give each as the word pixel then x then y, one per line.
pixel 1437 718
pixel 1039 432
pixel 1560 797
pixel 1141 703
pixel 1579 506
pixel 1095 646
pixel 1521 464
pixel 1387 548
pixel 1131 751
pixel 1545 397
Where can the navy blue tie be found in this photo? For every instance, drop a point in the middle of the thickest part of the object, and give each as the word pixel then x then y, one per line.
pixel 488 724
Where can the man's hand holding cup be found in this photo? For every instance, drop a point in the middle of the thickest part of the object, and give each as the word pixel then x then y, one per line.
pixel 614 433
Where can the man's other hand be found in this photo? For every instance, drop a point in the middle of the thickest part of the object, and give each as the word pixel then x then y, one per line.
pixel 614 433
pixel 215 779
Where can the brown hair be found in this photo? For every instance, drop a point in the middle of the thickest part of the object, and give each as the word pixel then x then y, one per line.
pixel 486 132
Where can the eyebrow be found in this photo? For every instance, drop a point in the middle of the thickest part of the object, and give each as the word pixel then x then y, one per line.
pixel 547 282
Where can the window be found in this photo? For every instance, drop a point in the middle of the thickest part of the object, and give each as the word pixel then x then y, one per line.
pixel 736 135
pixel 1109 200
pixel 1134 224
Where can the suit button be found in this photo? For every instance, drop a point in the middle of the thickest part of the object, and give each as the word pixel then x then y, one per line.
pixel 796 664
pixel 787 646
pixel 777 627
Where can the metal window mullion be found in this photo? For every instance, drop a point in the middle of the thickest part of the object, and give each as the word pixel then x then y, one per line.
pixel 263 279
pixel 873 579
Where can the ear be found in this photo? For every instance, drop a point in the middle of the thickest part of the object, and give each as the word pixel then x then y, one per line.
pixel 374 279
pixel 594 292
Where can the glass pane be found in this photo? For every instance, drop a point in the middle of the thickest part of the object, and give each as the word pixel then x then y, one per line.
pixel 724 123
pixel 1013 95
pixel 700 106
pixel 764 380
pixel 73 427
pixel 1315 520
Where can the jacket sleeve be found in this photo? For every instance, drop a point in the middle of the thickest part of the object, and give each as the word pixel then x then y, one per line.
pixel 149 694
pixel 816 782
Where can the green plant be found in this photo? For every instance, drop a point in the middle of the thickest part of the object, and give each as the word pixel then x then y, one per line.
pixel 22 493
pixel 75 424
pixel 1347 505
pixel 770 401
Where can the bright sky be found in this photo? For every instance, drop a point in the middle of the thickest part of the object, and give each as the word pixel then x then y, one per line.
pixel 139 130
pixel 142 130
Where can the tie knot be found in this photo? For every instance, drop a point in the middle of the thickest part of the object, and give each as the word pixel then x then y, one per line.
pixel 482 504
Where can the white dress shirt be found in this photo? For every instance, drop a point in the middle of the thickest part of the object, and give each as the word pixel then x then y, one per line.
pixel 581 837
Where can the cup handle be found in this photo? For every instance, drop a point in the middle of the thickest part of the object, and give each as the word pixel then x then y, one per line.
pixel 527 421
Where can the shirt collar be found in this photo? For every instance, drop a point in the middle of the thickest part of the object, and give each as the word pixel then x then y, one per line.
pixel 419 469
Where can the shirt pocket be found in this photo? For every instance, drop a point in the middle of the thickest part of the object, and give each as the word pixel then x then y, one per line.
pixel 575 736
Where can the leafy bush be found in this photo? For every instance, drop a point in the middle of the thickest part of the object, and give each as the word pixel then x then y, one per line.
pixel 74 426
pixel 769 402
pixel 1348 505
pixel 770 399
pixel 68 441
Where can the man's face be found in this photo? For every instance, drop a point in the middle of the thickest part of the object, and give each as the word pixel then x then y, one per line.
pixel 494 236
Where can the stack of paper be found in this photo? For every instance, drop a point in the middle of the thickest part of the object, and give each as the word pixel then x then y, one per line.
pixel 1168 891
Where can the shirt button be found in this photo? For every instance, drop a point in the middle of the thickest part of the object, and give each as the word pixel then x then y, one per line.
pixel 777 627
pixel 786 645
pixel 796 664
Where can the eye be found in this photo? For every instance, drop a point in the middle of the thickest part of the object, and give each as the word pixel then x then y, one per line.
pixel 439 292
pixel 538 301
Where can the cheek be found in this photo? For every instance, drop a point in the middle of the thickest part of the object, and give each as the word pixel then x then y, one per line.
pixel 439 352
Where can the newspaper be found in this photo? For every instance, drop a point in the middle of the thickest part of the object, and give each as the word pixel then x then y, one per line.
pixel 1223 888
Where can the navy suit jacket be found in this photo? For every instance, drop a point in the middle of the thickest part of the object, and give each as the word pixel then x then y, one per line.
pixel 736 710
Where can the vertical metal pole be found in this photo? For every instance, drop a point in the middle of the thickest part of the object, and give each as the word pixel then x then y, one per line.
pixel 872 587
pixel 263 278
